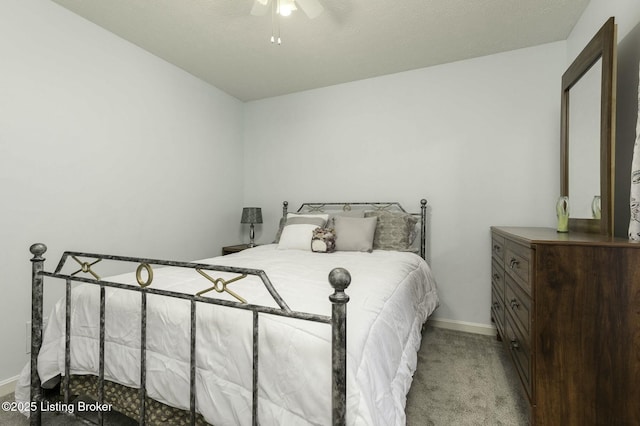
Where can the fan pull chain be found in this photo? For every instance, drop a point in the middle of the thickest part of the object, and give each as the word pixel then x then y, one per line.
pixel 275 22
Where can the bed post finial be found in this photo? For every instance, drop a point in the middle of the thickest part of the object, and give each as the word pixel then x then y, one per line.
pixel 285 206
pixel 36 328
pixel 37 250
pixel 340 280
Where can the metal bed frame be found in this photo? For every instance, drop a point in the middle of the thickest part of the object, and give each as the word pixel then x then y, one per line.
pixel 339 278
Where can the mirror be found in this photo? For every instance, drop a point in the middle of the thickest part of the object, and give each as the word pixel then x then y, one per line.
pixel 587 134
pixel 584 130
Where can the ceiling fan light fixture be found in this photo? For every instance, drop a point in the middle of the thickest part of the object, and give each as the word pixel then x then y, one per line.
pixel 285 7
pixel 311 8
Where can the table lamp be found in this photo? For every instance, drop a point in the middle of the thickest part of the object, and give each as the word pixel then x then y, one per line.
pixel 251 215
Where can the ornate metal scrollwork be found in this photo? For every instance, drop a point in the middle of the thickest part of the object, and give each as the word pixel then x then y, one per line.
pixel 86 267
pixel 147 268
pixel 381 207
pixel 315 208
pixel 220 285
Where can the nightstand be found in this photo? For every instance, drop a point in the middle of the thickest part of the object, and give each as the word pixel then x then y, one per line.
pixel 234 249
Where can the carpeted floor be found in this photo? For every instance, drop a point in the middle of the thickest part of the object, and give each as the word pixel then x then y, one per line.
pixel 462 379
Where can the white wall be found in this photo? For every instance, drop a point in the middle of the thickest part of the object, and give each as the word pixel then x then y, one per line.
pixel 626 12
pixel 478 138
pixel 106 148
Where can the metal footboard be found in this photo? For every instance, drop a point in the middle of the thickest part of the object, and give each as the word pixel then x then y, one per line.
pixel 339 279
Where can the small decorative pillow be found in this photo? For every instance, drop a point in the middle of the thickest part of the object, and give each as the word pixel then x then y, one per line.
pixel 323 240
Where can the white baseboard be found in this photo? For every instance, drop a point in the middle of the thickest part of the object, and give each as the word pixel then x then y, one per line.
pixel 468 327
pixel 8 386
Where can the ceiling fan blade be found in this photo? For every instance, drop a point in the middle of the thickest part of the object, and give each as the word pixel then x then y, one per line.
pixel 260 7
pixel 311 8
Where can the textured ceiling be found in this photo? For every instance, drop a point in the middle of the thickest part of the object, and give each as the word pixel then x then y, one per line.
pixel 220 42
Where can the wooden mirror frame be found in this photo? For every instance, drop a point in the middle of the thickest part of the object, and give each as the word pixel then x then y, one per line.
pixel 602 46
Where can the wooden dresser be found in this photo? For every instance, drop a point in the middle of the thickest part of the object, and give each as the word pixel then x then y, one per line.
pixel 567 307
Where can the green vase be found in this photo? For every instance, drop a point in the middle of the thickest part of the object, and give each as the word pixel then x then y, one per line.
pixel 562 210
pixel 596 209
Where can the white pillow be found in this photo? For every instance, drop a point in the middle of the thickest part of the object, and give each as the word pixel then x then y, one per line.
pixel 298 230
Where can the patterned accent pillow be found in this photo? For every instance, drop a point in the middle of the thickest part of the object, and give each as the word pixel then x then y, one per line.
pixel 394 230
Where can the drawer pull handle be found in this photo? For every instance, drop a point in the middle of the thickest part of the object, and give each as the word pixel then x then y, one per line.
pixel 514 345
pixel 496 277
pixel 496 305
pixel 513 263
pixel 496 248
pixel 514 304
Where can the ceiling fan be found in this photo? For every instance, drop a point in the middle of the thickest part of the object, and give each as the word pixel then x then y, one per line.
pixel 311 8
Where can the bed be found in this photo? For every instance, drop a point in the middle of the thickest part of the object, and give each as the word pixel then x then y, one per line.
pixel 267 343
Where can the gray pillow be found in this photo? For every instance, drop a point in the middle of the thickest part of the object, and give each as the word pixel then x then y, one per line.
pixel 393 230
pixel 311 220
pixel 354 234
pixel 349 213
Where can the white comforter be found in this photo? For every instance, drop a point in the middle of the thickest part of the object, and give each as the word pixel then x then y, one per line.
pixel 391 296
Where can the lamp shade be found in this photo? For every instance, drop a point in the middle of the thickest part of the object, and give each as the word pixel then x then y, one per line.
pixel 251 215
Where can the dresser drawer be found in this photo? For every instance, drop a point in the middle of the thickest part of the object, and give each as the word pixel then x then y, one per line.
pixel 517 263
pixel 497 311
pixel 497 248
pixel 497 278
pixel 518 304
pixel 520 353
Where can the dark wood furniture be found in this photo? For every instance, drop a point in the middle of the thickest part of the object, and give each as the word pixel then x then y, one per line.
pixel 567 307
pixel 234 249
pixel 602 47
